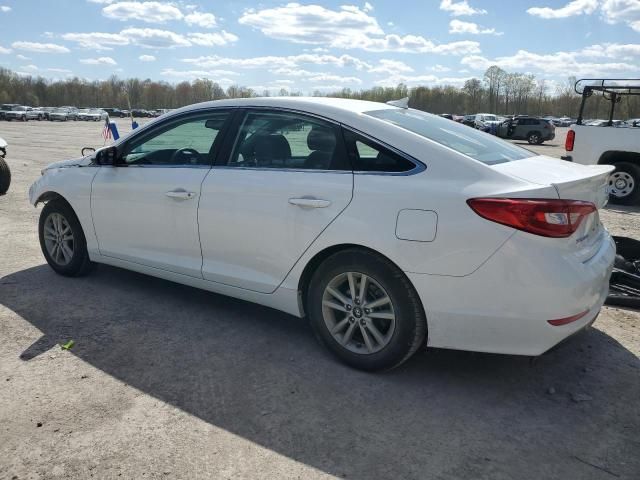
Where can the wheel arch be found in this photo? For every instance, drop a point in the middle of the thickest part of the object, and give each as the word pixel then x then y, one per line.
pixel 611 157
pixel 48 196
pixel 322 255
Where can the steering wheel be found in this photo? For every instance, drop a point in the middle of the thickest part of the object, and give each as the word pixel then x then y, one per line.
pixel 191 152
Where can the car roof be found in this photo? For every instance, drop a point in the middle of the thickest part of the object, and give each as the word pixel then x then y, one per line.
pixel 336 108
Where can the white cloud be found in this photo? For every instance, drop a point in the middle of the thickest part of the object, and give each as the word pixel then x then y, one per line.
pixel 147 58
pixel 40 47
pixel 99 61
pixel 558 63
pixel 273 61
pixel 5 51
pixel 391 67
pixel 441 68
pixel 212 39
pixel 458 9
pixel 625 52
pixel 59 70
pixel 323 77
pixel 200 19
pixel 5 8
pixel 458 26
pixel 622 11
pixel 22 57
pixel 571 9
pixel 347 28
pixel 150 12
pixel 218 76
pixel 31 68
pixel 96 40
pixel 155 38
pixel 367 7
pixel 412 80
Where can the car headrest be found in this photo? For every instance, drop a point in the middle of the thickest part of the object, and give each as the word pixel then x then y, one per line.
pixel 322 139
pixel 272 147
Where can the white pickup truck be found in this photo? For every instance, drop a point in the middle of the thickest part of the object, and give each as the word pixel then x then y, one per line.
pixel 609 144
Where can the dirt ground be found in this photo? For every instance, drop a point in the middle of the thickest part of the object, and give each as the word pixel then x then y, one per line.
pixel 166 381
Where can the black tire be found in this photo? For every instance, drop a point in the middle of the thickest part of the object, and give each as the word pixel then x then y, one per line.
pixel 411 325
pixel 534 138
pixel 80 264
pixel 5 176
pixel 626 169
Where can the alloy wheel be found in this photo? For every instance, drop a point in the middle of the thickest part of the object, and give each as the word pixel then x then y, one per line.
pixel 58 239
pixel 358 313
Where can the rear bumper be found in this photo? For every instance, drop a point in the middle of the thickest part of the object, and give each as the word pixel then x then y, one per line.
pixel 504 306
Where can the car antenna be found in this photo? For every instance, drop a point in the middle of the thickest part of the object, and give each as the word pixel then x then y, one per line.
pixel 402 103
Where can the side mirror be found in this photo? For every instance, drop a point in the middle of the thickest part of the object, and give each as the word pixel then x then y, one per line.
pixel 107 156
pixel 87 150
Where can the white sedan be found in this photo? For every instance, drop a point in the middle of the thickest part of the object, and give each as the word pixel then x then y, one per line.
pixel 388 227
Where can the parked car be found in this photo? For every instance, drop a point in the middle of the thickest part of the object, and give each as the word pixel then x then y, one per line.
pixel 61 115
pixel 82 114
pixel 96 115
pixel 18 112
pixel 484 121
pixel 448 116
pixel 534 130
pixel 140 113
pixel 634 122
pixel 293 219
pixel 469 120
pixel 46 111
pixel 5 172
pixel 6 107
pixel 115 112
pixel 608 145
pixel 72 112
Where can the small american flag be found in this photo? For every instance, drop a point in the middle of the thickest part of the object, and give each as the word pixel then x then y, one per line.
pixel 106 131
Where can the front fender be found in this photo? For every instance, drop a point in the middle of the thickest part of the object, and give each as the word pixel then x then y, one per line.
pixel 73 184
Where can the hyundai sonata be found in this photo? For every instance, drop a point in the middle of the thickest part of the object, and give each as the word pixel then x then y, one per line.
pixel 389 228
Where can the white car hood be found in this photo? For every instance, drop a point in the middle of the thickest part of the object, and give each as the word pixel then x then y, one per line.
pixel 77 162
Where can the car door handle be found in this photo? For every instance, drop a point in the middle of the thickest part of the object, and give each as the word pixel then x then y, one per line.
pixel 309 202
pixel 180 194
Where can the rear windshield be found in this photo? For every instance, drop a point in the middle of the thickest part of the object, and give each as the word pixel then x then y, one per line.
pixel 478 145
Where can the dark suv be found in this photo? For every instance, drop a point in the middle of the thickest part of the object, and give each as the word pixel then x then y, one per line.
pixel 533 130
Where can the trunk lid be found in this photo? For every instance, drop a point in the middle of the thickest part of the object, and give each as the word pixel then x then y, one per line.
pixel 572 181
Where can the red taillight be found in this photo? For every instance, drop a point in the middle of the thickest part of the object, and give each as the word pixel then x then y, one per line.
pixel 568 143
pixel 548 218
pixel 564 321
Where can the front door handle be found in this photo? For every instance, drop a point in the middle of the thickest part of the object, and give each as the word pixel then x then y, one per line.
pixel 309 202
pixel 180 194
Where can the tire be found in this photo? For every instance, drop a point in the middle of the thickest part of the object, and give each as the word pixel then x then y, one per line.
pixel 624 184
pixel 5 176
pixel 400 339
pixel 534 138
pixel 75 264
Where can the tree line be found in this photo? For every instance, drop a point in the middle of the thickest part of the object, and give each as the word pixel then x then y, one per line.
pixel 498 92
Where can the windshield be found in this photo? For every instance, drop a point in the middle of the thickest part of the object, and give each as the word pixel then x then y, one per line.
pixel 489 118
pixel 19 109
pixel 466 140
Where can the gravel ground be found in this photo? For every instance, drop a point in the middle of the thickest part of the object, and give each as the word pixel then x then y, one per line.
pixel 166 381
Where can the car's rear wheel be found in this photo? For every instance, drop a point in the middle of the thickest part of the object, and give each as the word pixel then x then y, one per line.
pixel 365 310
pixel 534 138
pixel 5 176
pixel 62 240
pixel 624 184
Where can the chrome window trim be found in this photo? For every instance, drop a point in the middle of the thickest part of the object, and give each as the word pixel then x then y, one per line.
pixel 288 170
pixel 418 165
pixel 157 166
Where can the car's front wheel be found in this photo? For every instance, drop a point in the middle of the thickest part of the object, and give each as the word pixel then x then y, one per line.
pixel 624 184
pixel 5 176
pixel 62 240
pixel 365 310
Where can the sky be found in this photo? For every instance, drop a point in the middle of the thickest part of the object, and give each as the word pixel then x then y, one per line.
pixel 321 45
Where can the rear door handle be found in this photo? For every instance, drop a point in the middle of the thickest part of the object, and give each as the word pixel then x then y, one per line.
pixel 309 202
pixel 180 194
